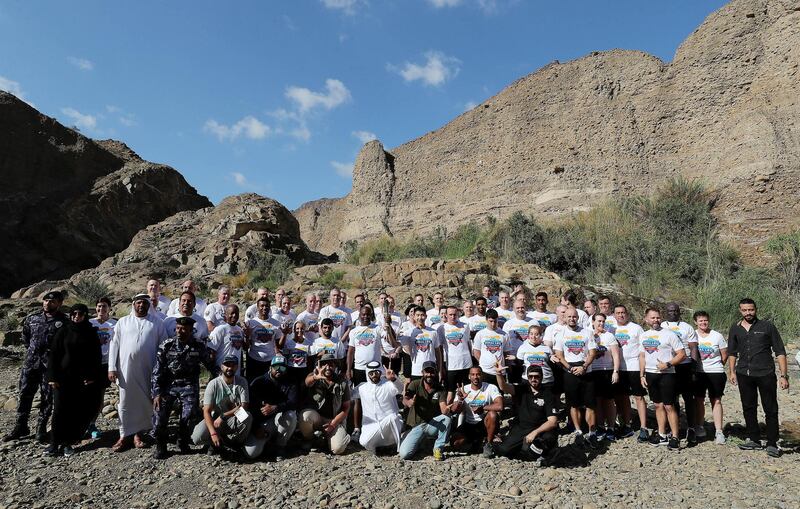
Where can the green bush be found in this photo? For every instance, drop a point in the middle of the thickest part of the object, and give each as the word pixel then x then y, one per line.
pixel 8 322
pixel 331 279
pixel 786 249
pixel 89 290
pixel 269 270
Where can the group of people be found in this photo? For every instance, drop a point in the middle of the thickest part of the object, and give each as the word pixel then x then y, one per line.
pixel 408 383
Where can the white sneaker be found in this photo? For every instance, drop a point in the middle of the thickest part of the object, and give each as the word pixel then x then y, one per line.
pixel 700 431
pixel 719 438
pixel 355 435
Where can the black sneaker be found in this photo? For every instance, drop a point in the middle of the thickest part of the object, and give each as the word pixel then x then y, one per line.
pixel 644 436
pixel 773 451
pixel 68 451
pixel 673 444
pixel 656 439
pixel 488 450
pixel 691 437
pixel 625 432
pixel 17 433
pixel 749 445
pixel 52 450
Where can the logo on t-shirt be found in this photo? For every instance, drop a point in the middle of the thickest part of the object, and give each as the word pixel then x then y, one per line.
pixel 104 335
pixel 536 359
pixel 455 337
pixel 706 350
pixel 236 340
pixel 436 318
pixel 264 334
pixel 575 346
pixel 493 344
pixel 650 344
pixel 365 338
pixel 478 325
pixel 423 342
pixel 622 336
pixel 521 332
pixel 610 327
pixel 601 351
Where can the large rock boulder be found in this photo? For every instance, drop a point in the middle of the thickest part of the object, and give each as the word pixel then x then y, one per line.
pixel 603 126
pixel 68 201
pixel 207 245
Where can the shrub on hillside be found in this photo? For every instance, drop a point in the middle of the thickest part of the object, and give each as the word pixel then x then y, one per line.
pixel 269 270
pixel 89 289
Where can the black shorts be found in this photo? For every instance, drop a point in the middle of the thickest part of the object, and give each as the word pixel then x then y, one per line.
pixel 603 388
pixel 579 390
pixel 458 376
pixel 683 379
pixel 711 383
pixel 471 431
pixel 359 376
pixel 629 384
pixel 663 387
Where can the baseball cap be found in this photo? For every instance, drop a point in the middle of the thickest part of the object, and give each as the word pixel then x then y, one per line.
pixel 278 360
pixel 428 365
pixel 230 359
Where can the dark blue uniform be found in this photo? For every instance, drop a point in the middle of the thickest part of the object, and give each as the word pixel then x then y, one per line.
pixel 38 330
pixel 176 376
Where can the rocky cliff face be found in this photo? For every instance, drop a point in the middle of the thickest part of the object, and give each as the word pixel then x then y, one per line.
pixel 205 245
pixel 724 110
pixel 67 201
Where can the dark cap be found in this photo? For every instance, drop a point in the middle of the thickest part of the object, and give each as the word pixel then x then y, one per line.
pixel 327 357
pixel 230 359
pixel 278 360
pixel 185 321
pixel 53 295
pixel 428 365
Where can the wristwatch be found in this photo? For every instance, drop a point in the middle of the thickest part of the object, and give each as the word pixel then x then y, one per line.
pixel 785 377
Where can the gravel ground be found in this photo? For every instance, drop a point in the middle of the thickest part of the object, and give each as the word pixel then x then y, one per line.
pixel 620 475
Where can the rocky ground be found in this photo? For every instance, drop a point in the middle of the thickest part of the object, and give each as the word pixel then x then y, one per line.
pixel 624 474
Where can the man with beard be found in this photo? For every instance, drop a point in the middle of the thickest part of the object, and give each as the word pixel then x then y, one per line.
pixel 535 434
pixel 131 358
pixel 381 422
pixel 328 406
pixel 481 404
pixel 275 399
pixel 38 330
pixel 176 378
pixel 72 369
pixel 429 413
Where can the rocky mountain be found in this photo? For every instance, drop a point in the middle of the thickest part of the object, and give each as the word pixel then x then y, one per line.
pixel 68 201
pixel 206 245
pixel 609 124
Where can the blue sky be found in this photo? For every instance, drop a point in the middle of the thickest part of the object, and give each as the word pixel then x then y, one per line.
pixel 276 97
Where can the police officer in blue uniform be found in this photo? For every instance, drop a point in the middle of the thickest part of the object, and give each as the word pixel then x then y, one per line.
pixel 176 377
pixel 38 330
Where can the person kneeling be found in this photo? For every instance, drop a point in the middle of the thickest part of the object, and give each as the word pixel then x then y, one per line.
pixel 275 398
pixel 481 404
pixel 534 435
pixel 225 416
pixel 329 397
pixel 429 413
pixel 381 422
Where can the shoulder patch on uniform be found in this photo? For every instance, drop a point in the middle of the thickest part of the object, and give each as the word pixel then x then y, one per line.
pixel 58 324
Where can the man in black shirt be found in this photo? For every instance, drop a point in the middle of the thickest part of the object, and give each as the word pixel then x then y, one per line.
pixel 274 397
pixel 751 345
pixel 535 433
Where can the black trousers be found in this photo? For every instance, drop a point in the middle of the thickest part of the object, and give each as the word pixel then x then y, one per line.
pixel 685 389
pixel 73 408
pixel 749 389
pixel 514 445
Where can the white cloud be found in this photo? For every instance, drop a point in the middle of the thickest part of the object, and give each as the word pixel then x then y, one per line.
pixel 13 87
pixel 301 132
pixel 364 136
pixel 239 178
pixel 343 169
pixel 124 118
pixel 470 105
pixel 81 63
pixel 288 23
pixel 80 120
pixel 307 100
pixel 444 3
pixel 249 127
pixel 438 69
pixel 347 6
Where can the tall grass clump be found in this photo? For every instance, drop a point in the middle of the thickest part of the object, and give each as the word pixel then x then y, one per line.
pixel 88 290
pixel 269 270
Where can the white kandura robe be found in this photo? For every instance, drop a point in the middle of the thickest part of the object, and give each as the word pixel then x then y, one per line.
pixel 132 354
pixel 380 424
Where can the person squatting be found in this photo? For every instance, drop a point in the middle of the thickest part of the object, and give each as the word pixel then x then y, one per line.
pixel 424 381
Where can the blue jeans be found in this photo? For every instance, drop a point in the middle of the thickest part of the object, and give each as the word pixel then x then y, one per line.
pixel 436 427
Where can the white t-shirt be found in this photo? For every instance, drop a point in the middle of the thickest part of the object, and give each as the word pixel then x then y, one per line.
pixel 603 361
pixel 227 340
pixel 659 345
pixel 628 336
pixel 200 327
pixel 285 319
pixel 575 344
pixel 215 313
pixel 477 323
pixel 611 324
pixel 491 344
pixel 584 320
pixel 322 346
pixel 458 346
pixel 551 332
pixel 367 341
pixel 481 397
pixel 503 315
pixel 163 306
pixel 708 347
pixel 433 317
pixel 545 319
pixel 517 331
pixel 423 344
pixel 105 332
pixel 199 307
pixel 397 319
pixel 341 319
pixel 297 353
pixel 310 319
pixel 263 337
pixel 536 356
pixel 685 333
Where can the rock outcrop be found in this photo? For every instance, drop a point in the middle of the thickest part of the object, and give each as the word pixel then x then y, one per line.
pixel 68 201
pixel 606 125
pixel 206 245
